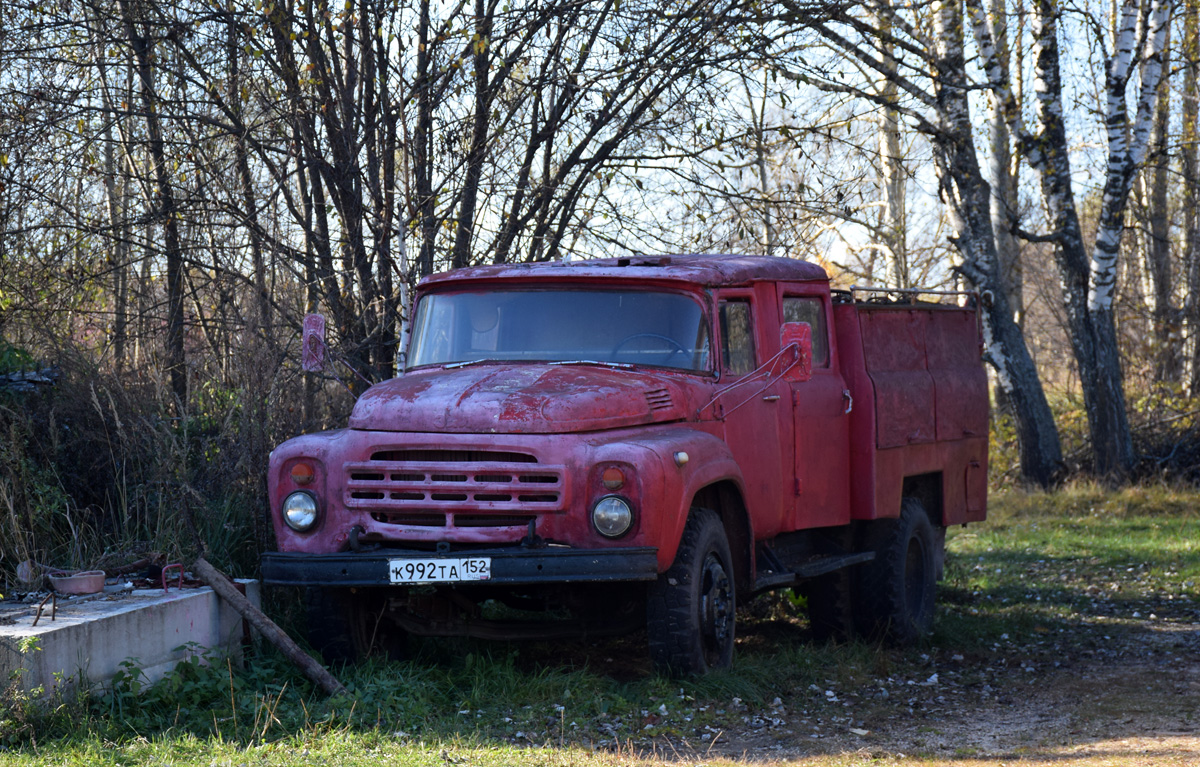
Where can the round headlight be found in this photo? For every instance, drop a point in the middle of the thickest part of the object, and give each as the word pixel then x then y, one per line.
pixel 612 516
pixel 300 511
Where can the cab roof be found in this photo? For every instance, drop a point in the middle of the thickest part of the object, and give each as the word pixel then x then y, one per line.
pixel 706 270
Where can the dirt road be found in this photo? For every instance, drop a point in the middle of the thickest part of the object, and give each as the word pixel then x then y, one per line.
pixel 1132 698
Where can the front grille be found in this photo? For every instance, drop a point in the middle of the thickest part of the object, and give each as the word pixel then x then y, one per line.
pixel 460 488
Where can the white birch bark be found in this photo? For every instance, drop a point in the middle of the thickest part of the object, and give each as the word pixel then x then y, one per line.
pixel 939 109
pixel 1158 266
pixel 1190 56
pixel 1001 174
pixel 968 197
pixel 1125 154
pixel 893 216
pixel 1092 330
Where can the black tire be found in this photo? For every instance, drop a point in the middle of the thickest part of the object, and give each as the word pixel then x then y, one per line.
pixel 897 590
pixel 830 606
pixel 346 626
pixel 690 612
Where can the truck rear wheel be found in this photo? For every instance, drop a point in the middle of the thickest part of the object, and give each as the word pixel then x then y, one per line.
pixel 830 607
pixel 690 613
pixel 897 589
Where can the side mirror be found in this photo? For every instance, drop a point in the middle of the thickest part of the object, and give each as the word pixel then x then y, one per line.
pixel 312 347
pixel 797 336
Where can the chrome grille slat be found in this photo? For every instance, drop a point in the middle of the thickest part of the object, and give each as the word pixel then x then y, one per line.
pixel 438 486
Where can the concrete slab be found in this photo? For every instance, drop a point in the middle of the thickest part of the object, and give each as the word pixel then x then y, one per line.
pixel 91 637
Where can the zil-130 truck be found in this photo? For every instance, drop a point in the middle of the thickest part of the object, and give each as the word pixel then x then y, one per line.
pixel 641 442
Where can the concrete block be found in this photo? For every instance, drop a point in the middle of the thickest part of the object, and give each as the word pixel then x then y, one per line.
pixel 89 639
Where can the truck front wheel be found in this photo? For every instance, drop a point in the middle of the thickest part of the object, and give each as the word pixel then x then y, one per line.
pixel 690 611
pixel 347 625
pixel 896 591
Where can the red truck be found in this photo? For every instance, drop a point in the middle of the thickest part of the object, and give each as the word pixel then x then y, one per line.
pixel 614 444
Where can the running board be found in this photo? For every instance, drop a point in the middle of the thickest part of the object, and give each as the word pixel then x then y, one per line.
pixel 776 576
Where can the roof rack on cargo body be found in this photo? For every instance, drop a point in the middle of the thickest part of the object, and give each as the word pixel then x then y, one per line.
pixel 909 296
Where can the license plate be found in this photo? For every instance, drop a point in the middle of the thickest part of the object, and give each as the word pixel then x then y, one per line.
pixel 446 570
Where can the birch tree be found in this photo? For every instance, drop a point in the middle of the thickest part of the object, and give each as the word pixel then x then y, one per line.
pixel 1157 263
pixel 933 82
pixel 1002 170
pixel 1190 179
pixel 893 222
pixel 1089 276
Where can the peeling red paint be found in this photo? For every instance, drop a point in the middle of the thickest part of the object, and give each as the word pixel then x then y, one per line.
pixel 473 452
pixel 516 399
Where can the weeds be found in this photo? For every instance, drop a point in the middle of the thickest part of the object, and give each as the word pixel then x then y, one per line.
pixel 1052 578
pixel 99 471
pixel 28 713
pixel 1164 424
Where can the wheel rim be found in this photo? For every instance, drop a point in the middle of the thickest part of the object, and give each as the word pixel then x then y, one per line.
pixel 716 610
pixel 914 579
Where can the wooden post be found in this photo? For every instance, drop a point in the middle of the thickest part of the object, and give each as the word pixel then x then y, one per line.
pixel 275 635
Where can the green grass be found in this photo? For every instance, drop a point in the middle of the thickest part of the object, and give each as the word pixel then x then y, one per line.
pixel 337 748
pixel 1047 578
pixel 1081 557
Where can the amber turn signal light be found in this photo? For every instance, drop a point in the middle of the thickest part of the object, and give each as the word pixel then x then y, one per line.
pixel 302 474
pixel 613 478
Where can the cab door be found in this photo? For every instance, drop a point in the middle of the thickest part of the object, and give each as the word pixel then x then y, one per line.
pixel 820 412
pixel 754 406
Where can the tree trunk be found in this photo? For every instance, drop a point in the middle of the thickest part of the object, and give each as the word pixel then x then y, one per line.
pixel 382 179
pixel 117 246
pixel 423 146
pixel 1166 330
pixel 893 218
pixel 1190 63
pixel 967 198
pixel 262 300
pixel 1089 282
pixel 1002 178
pixel 138 35
pixel 758 117
pixel 1111 439
pixel 480 118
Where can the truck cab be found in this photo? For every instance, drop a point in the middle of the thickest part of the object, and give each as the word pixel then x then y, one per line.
pixel 598 447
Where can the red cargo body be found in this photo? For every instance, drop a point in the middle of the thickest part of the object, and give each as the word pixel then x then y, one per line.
pixel 921 406
pixel 629 441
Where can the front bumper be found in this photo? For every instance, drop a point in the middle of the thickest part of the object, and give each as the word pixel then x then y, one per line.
pixel 510 566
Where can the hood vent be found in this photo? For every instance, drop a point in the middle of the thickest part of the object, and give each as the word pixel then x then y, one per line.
pixel 659 399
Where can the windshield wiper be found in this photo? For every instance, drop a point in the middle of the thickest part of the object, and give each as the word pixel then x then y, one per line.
pixel 597 363
pixel 468 363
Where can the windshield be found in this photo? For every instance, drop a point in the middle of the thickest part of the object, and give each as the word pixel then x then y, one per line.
pixel 631 327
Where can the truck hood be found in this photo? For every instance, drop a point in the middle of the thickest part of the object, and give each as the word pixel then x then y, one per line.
pixel 519 399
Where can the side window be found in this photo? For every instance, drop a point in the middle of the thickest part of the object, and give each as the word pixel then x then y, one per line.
pixel 812 311
pixel 737 337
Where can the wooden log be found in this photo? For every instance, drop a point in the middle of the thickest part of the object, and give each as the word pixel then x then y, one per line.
pixel 135 567
pixel 275 635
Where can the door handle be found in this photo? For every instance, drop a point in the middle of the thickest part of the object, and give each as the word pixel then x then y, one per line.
pixel 849 401
pixel 771 398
